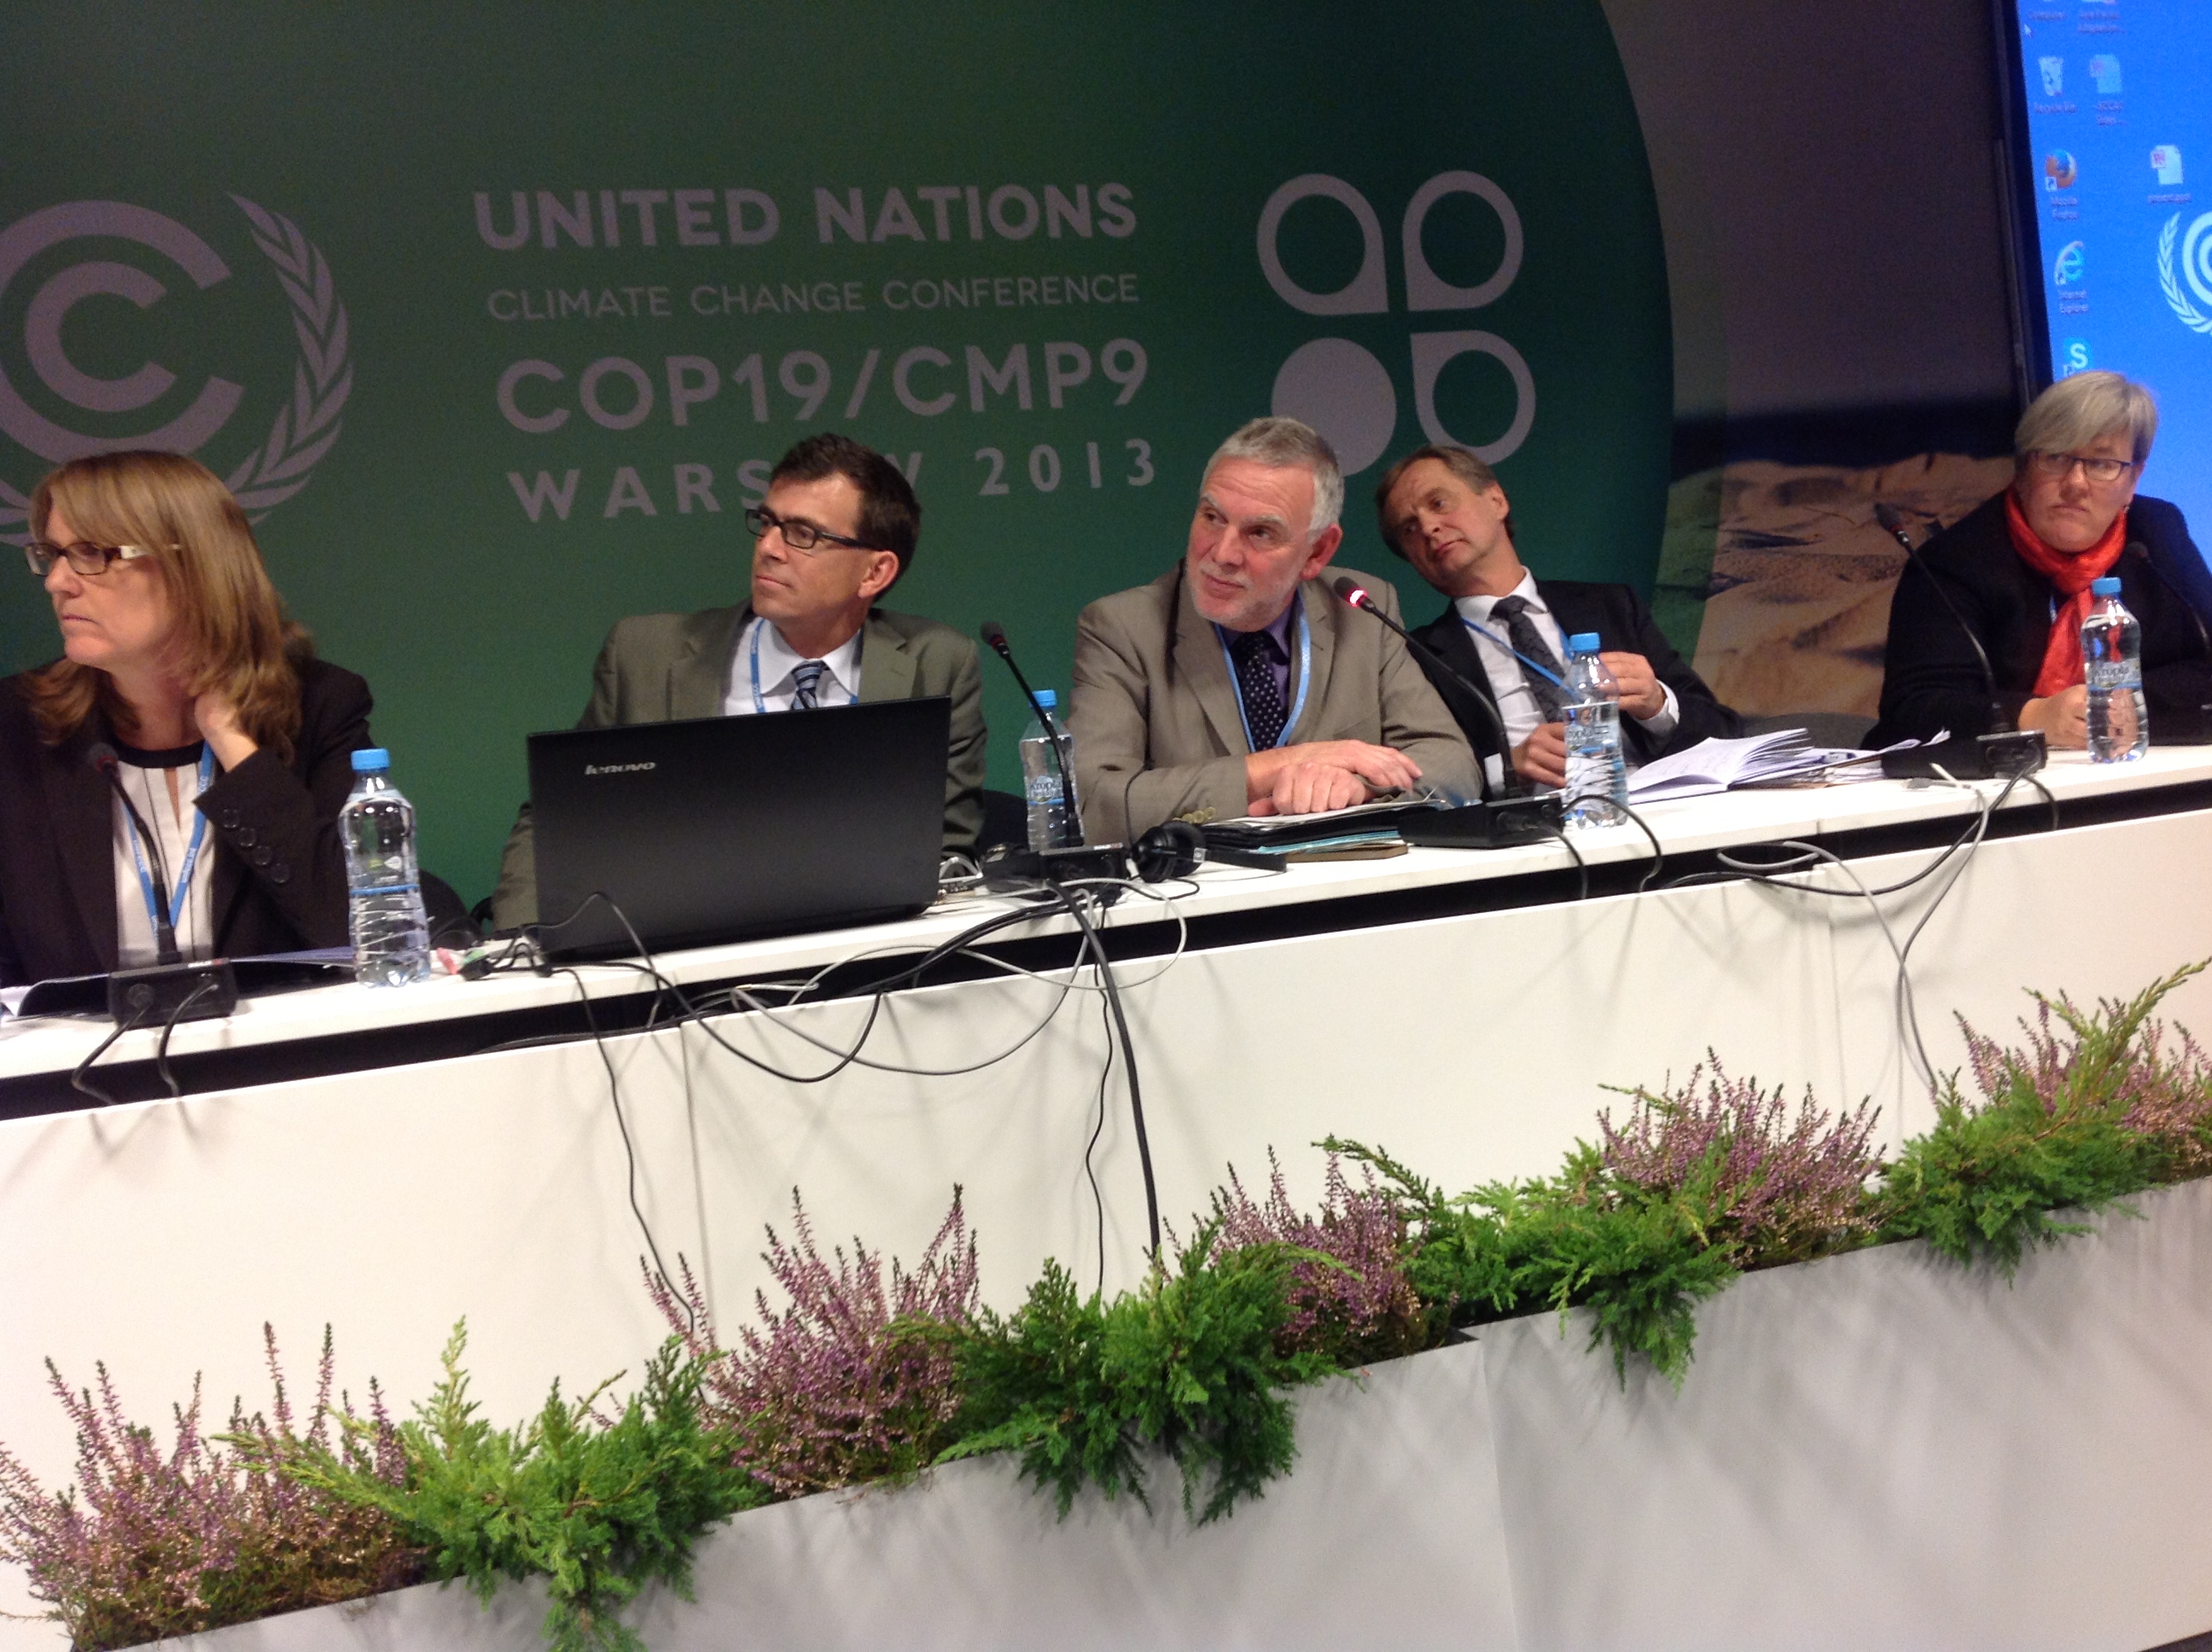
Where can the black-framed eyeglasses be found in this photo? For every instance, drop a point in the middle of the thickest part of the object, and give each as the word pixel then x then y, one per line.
pixel 799 536
pixel 85 557
pixel 2104 471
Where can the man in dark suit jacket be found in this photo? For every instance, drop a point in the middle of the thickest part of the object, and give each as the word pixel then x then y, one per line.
pixel 837 527
pixel 1442 509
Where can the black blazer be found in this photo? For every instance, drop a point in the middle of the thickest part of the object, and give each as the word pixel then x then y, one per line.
pixel 1624 624
pixel 1931 680
pixel 278 869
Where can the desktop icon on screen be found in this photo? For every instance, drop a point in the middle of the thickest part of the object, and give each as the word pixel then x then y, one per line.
pixel 2074 357
pixel 2066 270
pixel 2104 70
pixel 2054 76
pixel 2165 161
pixel 2059 171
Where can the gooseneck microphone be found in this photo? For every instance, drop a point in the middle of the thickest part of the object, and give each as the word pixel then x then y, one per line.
pixel 2004 750
pixel 103 760
pixel 995 635
pixel 2139 552
pixel 1356 595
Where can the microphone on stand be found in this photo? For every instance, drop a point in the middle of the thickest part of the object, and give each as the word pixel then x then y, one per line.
pixel 1105 860
pixel 1512 816
pixel 105 763
pixel 2004 750
pixel 1356 595
pixel 2139 552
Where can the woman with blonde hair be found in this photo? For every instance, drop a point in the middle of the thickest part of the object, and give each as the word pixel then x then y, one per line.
pixel 2015 572
pixel 233 740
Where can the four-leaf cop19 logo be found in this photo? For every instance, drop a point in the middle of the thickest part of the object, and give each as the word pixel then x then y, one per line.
pixel 306 425
pixel 2195 272
pixel 1339 387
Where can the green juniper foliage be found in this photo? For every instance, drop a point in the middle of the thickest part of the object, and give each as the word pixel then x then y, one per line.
pixel 1640 1261
pixel 1698 1185
pixel 599 1508
pixel 1189 1364
pixel 2072 1122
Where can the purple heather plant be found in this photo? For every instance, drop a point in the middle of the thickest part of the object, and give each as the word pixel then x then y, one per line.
pixel 1783 1189
pixel 2116 1059
pixel 853 1380
pixel 1355 1306
pixel 148 1544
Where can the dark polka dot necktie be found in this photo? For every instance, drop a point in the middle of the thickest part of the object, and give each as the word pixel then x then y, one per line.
pixel 1255 654
pixel 806 680
pixel 1528 642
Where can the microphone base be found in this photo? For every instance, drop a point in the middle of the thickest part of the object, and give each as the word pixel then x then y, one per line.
pixel 1010 866
pixel 1984 757
pixel 153 995
pixel 1501 823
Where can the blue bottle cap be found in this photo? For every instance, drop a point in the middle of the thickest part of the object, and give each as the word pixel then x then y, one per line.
pixel 1047 700
pixel 2107 586
pixel 1583 643
pixel 371 759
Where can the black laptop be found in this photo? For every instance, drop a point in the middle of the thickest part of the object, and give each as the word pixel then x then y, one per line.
pixel 725 827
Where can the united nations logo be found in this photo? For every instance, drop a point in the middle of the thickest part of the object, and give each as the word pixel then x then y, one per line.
pixel 2195 270
pixel 306 426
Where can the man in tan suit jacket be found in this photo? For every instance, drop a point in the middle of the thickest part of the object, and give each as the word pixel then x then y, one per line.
pixel 1236 683
pixel 836 529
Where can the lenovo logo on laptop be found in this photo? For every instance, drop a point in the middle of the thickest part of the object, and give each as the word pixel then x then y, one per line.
pixel 618 768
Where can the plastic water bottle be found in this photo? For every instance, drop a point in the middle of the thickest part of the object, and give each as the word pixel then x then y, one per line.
pixel 2112 665
pixel 1597 779
pixel 390 936
pixel 1054 823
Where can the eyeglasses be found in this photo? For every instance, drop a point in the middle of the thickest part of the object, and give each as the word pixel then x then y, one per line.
pixel 2101 471
pixel 85 557
pixel 799 536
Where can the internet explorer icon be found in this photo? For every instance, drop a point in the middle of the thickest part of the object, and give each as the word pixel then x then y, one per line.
pixel 2067 268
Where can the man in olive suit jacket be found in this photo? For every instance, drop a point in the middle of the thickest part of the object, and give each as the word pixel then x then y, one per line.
pixel 1238 683
pixel 838 526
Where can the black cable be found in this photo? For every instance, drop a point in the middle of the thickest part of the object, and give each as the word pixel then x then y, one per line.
pixel 1129 1061
pixel 629 1151
pixel 78 1081
pixel 1581 867
pixel 161 1049
pixel 2047 798
pixel 1658 853
pixel 1098 1197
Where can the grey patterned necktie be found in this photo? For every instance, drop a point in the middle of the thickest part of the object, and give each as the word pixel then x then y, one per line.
pixel 806 679
pixel 1529 642
pixel 1264 714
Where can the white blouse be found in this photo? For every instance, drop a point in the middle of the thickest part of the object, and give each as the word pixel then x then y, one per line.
pixel 163 784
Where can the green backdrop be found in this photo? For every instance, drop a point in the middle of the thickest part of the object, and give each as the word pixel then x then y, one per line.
pixel 1093 182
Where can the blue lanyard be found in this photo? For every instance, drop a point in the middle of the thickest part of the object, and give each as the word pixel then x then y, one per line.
pixel 191 856
pixel 759 704
pixel 1305 673
pixel 1484 630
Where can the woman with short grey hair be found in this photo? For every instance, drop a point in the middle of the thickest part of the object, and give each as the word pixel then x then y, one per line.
pixel 2017 569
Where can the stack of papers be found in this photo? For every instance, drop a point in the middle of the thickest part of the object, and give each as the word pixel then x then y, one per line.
pixel 1784 756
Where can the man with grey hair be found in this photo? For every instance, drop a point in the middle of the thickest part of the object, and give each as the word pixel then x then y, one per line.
pixel 2016 573
pixel 1236 683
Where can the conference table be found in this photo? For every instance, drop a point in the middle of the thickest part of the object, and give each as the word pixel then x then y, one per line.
pixel 508 1149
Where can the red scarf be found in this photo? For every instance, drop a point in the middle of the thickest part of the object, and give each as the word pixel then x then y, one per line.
pixel 2071 572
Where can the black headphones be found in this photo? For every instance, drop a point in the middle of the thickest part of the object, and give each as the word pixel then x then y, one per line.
pixel 1173 849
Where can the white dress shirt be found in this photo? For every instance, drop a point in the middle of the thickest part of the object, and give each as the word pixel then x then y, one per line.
pixel 1517 706
pixel 840 684
pixel 171 818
